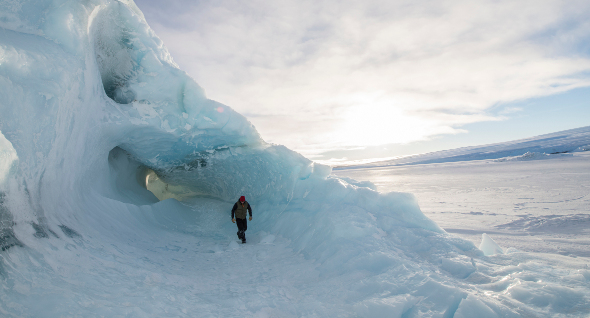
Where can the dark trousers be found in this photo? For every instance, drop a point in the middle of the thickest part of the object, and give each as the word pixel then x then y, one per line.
pixel 242 227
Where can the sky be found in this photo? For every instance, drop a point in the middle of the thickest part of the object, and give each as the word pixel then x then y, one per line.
pixel 342 81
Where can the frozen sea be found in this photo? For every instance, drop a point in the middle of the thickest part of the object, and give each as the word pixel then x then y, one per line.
pixel 538 206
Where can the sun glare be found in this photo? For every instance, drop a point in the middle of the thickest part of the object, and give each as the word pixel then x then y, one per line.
pixel 377 122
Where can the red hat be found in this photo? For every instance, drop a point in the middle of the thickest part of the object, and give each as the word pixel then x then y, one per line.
pixel 242 198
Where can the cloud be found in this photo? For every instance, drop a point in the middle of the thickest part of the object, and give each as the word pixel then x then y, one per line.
pixel 510 110
pixel 321 75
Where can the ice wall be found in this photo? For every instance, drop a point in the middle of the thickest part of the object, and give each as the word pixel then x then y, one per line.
pixel 93 105
pixel 93 77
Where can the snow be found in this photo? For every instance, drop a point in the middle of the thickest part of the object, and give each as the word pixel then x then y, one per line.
pixel 536 211
pixel 536 206
pixel 473 307
pixel 96 113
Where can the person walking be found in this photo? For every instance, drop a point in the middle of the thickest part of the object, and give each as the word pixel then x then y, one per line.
pixel 239 210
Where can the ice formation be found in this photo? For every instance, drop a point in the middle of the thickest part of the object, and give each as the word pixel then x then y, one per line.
pixel 549 146
pixel 488 246
pixel 96 112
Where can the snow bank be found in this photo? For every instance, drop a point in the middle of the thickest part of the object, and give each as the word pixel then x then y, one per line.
pixel 97 113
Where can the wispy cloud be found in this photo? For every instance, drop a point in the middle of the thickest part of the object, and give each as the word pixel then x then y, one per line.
pixel 321 75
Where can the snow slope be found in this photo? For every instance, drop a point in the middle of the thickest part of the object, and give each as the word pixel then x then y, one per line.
pixel 95 112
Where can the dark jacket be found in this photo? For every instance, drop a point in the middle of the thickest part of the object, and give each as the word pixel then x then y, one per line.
pixel 240 210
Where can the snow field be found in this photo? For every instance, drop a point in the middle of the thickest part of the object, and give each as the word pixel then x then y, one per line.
pixel 536 211
pixel 535 206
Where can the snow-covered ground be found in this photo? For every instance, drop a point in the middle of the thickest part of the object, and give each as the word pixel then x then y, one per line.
pixel 118 175
pixel 531 205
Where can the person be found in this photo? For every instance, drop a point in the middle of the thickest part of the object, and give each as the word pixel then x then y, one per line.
pixel 239 210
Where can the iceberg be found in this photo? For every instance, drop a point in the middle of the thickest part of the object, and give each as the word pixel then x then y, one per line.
pixel 118 176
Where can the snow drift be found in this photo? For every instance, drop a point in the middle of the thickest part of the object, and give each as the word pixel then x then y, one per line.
pixel 95 112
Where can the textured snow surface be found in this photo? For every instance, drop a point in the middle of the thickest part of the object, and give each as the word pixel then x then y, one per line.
pixel 537 212
pixel 95 112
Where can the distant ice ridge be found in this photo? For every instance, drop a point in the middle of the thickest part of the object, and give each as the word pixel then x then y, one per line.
pixel 97 111
pixel 549 146
pixel 532 156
